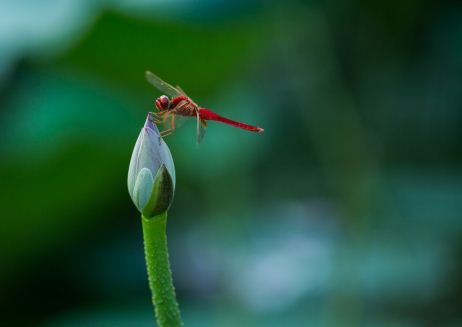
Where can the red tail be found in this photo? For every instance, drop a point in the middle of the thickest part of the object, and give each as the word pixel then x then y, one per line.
pixel 210 115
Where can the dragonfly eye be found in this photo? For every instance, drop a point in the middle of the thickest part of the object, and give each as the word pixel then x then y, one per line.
pixel 162 102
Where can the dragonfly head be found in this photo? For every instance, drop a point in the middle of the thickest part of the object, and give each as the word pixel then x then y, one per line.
pixel 163 102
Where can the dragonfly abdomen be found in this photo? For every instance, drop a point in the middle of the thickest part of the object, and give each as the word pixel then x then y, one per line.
pixel 206 114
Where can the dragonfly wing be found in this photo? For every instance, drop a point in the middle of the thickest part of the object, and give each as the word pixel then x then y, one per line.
pixel 179 120
pixel 171 120
pixel 162 86
pixel 200 129
pixel 182 91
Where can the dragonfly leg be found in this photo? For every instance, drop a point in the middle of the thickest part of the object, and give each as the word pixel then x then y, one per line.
pixel 167 132
pixel 160 118
pixel 156 118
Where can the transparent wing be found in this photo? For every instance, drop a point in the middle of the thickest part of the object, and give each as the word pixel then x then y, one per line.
pixel 200 129
pixel 162 86
pixel 177 121
pixel 171 121
pixel 182 91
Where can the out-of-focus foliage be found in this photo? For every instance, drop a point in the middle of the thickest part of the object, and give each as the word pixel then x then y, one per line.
pixel 344 212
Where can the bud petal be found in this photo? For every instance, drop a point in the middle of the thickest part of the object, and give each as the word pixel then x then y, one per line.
pixel 151 175
pixel 161 194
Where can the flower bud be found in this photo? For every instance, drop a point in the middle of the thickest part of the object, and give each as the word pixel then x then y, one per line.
pixel 151 175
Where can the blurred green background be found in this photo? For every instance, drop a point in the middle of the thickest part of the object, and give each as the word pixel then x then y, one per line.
pixel 346 211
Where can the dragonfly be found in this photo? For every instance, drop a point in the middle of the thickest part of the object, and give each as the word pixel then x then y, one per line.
pixel 174 107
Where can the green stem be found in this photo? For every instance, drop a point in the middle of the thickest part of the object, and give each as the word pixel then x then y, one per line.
pixel 159 273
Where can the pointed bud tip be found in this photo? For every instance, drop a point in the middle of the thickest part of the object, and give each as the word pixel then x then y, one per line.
pixel 149 123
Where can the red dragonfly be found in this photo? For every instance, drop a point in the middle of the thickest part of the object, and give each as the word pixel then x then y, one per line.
pixel 179 107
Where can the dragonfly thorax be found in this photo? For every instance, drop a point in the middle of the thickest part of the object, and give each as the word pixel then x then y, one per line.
pixel 181 105
pixel 184 106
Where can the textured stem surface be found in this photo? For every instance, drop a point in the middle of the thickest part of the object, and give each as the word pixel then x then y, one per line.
pixel 159 273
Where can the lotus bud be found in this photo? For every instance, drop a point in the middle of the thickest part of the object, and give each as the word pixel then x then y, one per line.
pixel 151 175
